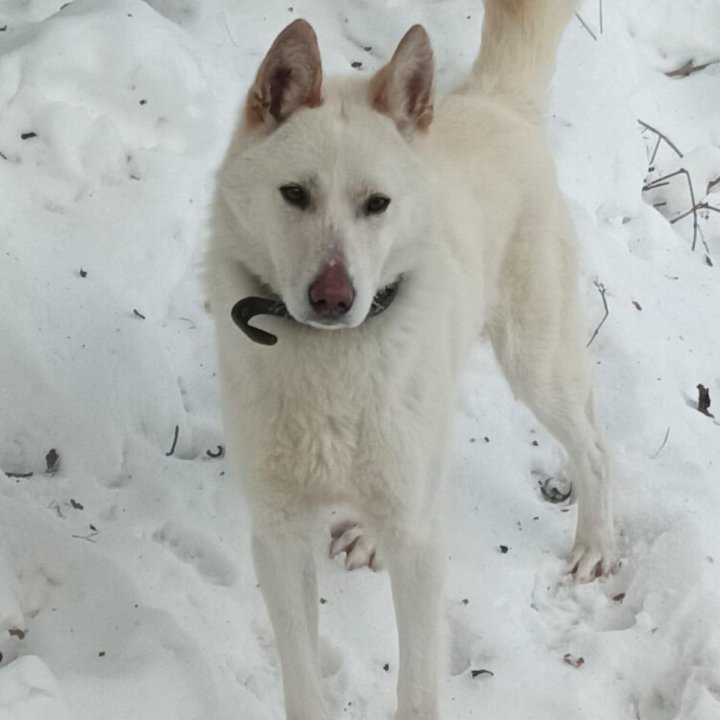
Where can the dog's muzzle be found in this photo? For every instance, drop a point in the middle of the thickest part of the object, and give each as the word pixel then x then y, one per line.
pixel 246 309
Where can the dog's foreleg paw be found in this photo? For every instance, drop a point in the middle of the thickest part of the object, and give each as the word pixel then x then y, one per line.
pixel 350 538
pixel 590 560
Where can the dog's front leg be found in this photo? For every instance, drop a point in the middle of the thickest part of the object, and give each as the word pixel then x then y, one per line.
pixel 417 570
pixel 285 569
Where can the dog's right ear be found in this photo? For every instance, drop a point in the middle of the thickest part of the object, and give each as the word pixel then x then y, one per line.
pixel 290 77
pixel 403 89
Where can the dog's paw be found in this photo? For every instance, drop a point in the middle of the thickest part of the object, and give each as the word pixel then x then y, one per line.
pixel 590 560
pixel 350 538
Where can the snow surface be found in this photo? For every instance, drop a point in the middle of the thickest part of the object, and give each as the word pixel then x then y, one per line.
pixel 128 571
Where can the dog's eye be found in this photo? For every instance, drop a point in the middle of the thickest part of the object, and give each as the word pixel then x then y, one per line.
pixel 376 204
pixel 295 195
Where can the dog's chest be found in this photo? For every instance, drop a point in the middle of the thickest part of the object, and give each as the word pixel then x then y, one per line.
pixel 324 435
pixel 332 417
pixel 329 436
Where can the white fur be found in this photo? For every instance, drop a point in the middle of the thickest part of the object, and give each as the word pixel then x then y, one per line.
pixel 361 416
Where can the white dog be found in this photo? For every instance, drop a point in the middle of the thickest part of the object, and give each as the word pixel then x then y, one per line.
pixel 381 234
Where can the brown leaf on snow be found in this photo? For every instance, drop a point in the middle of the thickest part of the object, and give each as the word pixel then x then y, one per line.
pixel 52 461
pixel 703 402
pixel 573 661
pixel 689 68
pixel 619 597
pixel 17 633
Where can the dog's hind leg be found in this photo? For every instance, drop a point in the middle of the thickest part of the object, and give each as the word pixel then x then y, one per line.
pixel 285 568
pixel 537 340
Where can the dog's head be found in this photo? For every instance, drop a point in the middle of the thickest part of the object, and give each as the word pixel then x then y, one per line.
pixel 324 179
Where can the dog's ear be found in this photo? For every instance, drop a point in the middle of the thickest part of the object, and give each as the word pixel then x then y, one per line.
pixel 290 77
pixel 403 89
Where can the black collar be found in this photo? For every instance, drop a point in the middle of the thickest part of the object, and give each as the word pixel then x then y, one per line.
pixel 246 309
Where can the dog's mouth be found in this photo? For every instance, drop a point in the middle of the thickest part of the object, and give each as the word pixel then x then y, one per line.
pixel 246 309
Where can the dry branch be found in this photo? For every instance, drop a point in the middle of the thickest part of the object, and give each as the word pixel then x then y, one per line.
pixel 586 26
pixel 602 291
pixel 174 443
pixel 661 135
pixel 662 181
pixel 655 150
pixel 664 442
pixel 699 206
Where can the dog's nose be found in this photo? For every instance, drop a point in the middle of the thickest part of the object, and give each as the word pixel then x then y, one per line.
pixel 331 293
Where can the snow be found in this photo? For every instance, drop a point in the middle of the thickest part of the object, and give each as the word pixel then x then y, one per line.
pixel 128 570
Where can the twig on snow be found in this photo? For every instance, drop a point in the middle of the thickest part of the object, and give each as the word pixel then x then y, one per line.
pixel 602 291
pixel 662 181
pixel 654 152
pixel 661 135
pixel 174 443
pixel 227 28
pixel 600 13
pixel 699 206
pixel 704 242
pixel 586 26
pixel 664 442
pixel 89 538
pixel 55 505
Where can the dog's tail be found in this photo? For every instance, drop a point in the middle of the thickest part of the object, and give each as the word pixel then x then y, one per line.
pixel 519 45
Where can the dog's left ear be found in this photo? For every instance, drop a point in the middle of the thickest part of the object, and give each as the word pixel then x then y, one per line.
pixel 289 78
pixel 403 89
